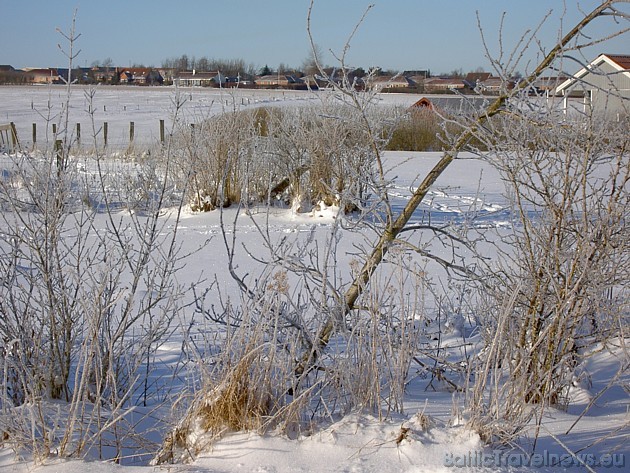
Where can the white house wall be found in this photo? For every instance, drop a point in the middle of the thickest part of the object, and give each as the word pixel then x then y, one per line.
pixel 612 103
pixel 607 78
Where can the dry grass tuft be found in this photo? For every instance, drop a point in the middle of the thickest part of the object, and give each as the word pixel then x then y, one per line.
pixel 424 421
pixel 240 402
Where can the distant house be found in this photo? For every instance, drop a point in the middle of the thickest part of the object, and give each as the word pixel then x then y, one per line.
pixel 153 77
pixel 280 81
pixel 168 74
pixel 389 83
pixel 9 75
pixel 443 84
pixel 548 84
pixel 81 75
pixel 312 82
pixel 331 75
pixel 238 81
pixel 126 77
pixel 416 81
pixel 41 76
pixel 136 75
pixel 603 86
pixel 272 80
pixel 199 79
pixel 487 84
pixel 104 74
pixel 477 77
pixel 496 85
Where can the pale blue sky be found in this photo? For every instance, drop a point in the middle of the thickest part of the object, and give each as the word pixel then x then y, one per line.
pixel 440 35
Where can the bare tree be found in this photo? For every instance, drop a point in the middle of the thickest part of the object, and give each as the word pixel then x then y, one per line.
pixel 313 61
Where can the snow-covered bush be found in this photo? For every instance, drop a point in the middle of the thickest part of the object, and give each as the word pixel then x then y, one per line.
pixel 295 155
pixel 566 262
pixel 87 295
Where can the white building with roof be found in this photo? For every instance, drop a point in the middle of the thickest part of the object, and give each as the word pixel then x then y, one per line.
pixel 603 87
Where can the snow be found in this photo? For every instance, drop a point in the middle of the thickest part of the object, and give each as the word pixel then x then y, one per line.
pixel 118 106
pixel 431 436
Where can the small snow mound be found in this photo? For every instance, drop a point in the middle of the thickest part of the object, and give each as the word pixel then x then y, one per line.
pixel 454 324
pixel 322 210
pixel 578 395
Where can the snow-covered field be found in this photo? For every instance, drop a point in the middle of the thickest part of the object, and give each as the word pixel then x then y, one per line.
pixel 144 106
pixel 118 106
pixel 435 438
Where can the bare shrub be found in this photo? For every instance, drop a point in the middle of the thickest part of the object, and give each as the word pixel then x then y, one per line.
pixel 87 296
pixel 252 382
pixel 298 156
pixel 419 130
pixel 320 149
pixel 567 261
pixel 213 155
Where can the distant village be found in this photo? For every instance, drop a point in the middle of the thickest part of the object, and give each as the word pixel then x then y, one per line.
pixel 420 81
pixel 603 85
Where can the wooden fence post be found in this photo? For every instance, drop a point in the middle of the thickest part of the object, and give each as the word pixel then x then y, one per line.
pixel 8 138
pixel 131 132
pixel 79 133
pixel 34 134
pixel 105 133
pixel 59 154
pixel 16 142
pixel 162 131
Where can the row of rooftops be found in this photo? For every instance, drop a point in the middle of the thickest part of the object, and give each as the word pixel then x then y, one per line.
pixel 156 76
pixel 480 82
